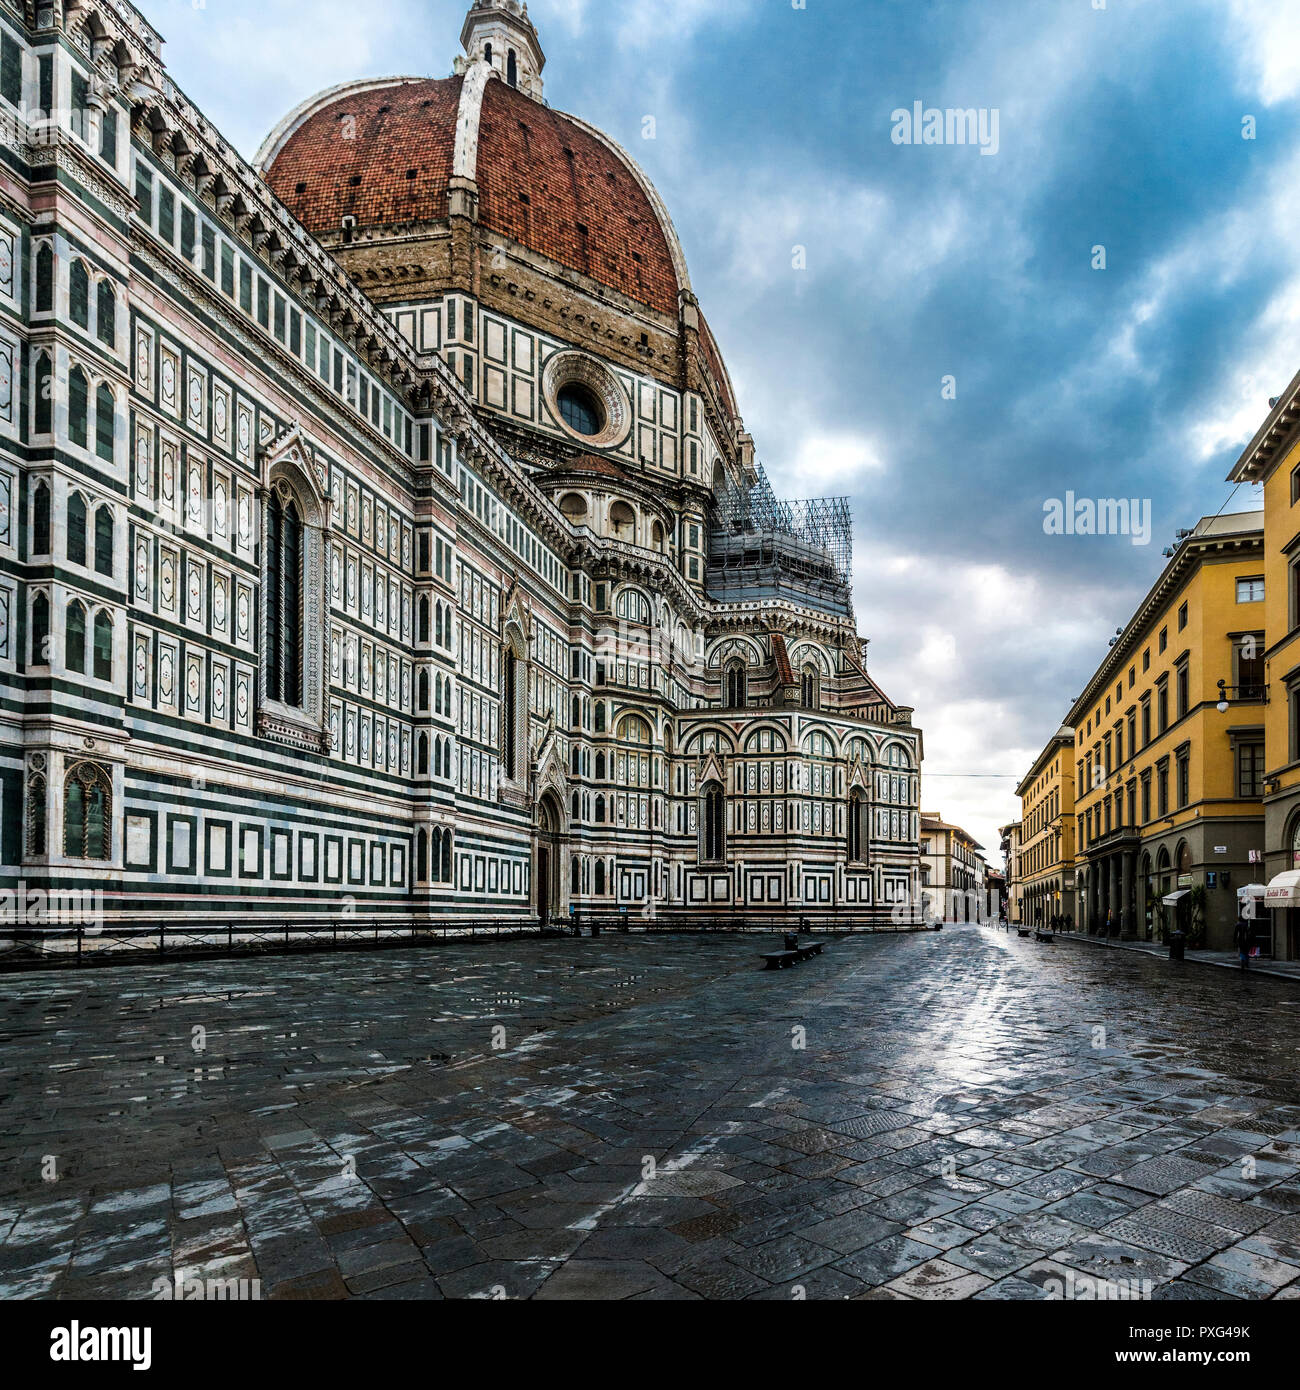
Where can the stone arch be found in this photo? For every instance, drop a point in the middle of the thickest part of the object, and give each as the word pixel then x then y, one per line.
pixel 751 651
pixel 291 477
pixel 803 653
pixel 550 856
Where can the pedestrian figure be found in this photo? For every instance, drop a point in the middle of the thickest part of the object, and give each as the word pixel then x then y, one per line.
pixel 1245 939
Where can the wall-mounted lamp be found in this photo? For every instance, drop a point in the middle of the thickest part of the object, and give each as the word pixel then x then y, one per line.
pixel 1222 706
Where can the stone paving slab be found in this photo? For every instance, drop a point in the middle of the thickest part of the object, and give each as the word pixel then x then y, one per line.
pixel 909 1117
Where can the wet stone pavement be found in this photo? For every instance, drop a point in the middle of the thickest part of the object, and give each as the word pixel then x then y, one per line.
pixel 954 1115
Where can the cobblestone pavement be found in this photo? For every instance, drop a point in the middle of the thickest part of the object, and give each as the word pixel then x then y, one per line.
pixel 970 1115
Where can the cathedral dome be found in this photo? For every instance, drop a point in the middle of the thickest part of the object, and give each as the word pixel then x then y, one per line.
pixel 389 152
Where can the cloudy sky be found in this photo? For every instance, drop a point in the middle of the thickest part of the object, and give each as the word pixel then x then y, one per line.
pixel 1120 125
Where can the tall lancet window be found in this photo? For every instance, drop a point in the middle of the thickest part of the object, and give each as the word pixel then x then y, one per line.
pixel 283 598
pixel 857 814
pixel 713 830
pixel 509 732
pixel 512 69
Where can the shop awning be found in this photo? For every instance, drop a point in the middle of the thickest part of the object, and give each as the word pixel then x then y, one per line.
pixel 1284 890
pixel 1253 890
pixel 1173 899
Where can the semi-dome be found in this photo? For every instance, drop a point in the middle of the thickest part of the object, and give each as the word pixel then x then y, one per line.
pixel 387 152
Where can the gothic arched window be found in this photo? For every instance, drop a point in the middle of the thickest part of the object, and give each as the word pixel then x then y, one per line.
pixel 810 690
pixel 45 278
pixel 87 807
pixel 36 816
pixel 713 837
pixel 79 295
pixel 74 637
pixel 78 406
pixel 103 649
pixel 106 313
pixel 857 815
pixel 44 415
pixel 283 597
pixel 76 529
pixel 105 421
pixel 600 878
pixel 40 630
pixel 512 69
pixel 446 857
pixel 41 519
pixel 736 685
pixel 104 541
pixel 422 857
pixel 513 712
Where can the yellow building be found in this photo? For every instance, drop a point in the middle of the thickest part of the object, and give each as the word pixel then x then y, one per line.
pixel 1273 458
pixel 1047 832
pixel 1169 746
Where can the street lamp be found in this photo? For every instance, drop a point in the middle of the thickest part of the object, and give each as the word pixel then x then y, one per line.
pixel 1222 706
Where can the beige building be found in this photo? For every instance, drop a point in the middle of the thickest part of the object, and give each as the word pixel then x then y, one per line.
pixel 1011 858
pixel 951 870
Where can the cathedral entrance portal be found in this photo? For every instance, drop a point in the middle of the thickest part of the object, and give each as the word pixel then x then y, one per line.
pixel 548 877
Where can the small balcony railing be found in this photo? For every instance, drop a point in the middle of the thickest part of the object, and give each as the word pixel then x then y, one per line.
pixel 1255 693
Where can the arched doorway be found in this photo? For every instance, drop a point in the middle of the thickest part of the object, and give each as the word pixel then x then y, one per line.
pixel 548 861
pixel 1185 920
pixel 1165 886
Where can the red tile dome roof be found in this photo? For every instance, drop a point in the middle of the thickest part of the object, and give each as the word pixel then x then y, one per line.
pixel 385 153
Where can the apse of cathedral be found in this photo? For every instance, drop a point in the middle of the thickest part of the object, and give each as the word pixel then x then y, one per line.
pixel 382 540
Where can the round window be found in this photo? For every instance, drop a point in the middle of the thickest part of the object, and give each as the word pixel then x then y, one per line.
pixel 580 409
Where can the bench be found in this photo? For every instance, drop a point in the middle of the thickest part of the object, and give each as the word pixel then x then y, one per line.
pixel 782 960
pixel 1043 936
pixel 1023 931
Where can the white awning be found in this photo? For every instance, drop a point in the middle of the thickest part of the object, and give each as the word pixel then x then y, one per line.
pixel 1284 890
pixel 1253 890
pixel 1173 899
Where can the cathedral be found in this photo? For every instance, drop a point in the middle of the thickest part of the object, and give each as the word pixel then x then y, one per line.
pixel 381 543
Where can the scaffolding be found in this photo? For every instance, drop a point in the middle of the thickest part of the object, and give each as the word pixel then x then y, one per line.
pixel 822 523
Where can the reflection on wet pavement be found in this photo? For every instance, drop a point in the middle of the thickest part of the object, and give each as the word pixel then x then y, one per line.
pixel 952 1115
